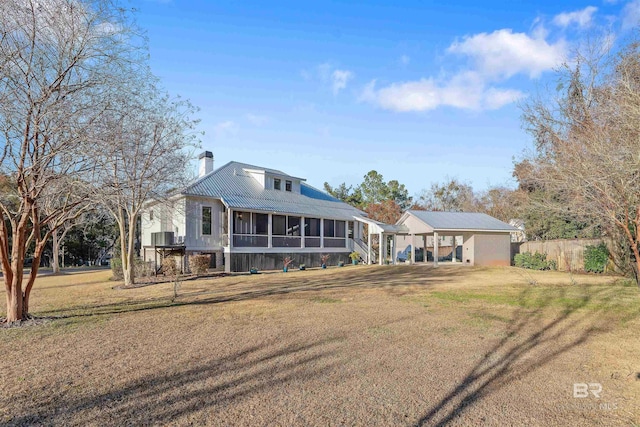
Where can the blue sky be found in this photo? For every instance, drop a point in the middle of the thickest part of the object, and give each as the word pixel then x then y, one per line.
pixel 330 90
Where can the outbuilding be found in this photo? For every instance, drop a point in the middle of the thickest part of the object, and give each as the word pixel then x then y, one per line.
pixel 471 238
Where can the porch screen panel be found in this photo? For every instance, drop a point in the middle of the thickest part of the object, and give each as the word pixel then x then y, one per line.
pixel 312 232
pixel 334 234
pixel 293 226
pixel 250 230
pixel 329 228
pixel 241 222
pixel 312 227
pixel 288 232
pixel 279 225
pixel 260 224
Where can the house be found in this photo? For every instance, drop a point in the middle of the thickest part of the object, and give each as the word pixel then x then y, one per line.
pixel 247 216
pixel 470 238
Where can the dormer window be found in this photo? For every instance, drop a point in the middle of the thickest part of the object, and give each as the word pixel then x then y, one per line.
pixel 276 184
pixel 287 185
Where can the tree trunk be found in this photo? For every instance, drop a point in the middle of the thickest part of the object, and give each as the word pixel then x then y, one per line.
pixel 13 283
pixel 14 299
pixel 635 267
pixel 55 264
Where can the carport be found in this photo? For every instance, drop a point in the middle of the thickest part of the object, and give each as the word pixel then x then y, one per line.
pixel 485 239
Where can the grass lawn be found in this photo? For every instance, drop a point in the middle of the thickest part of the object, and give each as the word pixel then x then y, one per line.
pixel 397 345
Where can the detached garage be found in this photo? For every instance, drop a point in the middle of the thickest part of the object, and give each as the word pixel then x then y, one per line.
pixel 470 238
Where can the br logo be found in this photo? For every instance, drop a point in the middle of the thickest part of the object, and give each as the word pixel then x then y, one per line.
pixel 582 390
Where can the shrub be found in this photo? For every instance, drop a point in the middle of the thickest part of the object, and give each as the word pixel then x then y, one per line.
pixel 116 268
pixel 169 266
pixel 596 258
pixel 199 264
pixel 143 268
pixel 536 261
pixel 140 268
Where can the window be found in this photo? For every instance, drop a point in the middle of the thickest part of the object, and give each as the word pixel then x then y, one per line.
pixel 340 229
pixel 206 220
pixel 287 185
pixel 276 184
pixel 151 215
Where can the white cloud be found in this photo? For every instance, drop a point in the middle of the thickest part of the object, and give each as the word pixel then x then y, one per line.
pixel 466 90
pixel 257 120
pixel 492 58
pixel 631 15
pixel 329 75
pixel 582 18
pixel 225 129
pixel 405 59
pixel 339 80
pixel 503 53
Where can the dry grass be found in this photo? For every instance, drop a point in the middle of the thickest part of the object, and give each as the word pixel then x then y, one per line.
pixel 404 345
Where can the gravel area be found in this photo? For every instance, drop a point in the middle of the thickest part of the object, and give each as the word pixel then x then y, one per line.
pixel 355 346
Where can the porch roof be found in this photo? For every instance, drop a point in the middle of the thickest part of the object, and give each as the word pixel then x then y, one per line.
pixel 376 227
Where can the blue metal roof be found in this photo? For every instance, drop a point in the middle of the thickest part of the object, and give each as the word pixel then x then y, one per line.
pixel 239 190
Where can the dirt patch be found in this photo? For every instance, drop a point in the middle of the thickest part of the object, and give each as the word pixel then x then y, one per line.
pixel 31 321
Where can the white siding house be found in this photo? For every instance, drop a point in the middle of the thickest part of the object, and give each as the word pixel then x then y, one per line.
pixel 248 216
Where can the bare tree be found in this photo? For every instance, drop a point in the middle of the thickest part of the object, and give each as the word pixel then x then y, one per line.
pixel 64 202
pixel 145 157
pixel 57 59
pixel 587 140
pixel 451 195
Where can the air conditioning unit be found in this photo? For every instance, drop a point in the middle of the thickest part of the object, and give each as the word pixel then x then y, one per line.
pixel 163 238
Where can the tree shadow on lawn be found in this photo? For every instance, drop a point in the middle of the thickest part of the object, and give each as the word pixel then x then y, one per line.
pixel 199 392
pixel 540 330
pixel 216 293
pixel 165 398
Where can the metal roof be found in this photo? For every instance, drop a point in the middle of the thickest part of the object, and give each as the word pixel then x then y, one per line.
pixel 461 221
pixel 239 190
pixel 381 227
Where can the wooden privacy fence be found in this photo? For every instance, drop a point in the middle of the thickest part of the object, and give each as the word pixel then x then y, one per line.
pixel 567 253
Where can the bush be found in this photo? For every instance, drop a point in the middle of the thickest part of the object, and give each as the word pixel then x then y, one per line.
pixel 169 266
pixel 536 261
pixel 140 268
pixel 596 258
pixel 116 268
pixel 199 264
